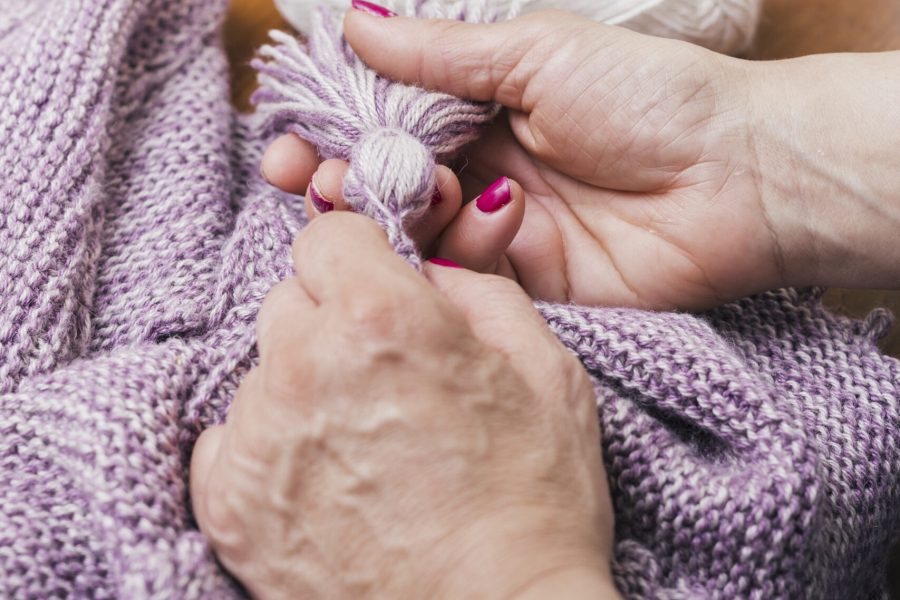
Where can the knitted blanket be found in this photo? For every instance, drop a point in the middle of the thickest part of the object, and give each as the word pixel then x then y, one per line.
pixel 752 451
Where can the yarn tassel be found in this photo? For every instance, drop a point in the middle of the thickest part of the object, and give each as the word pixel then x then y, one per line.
pixel 392 134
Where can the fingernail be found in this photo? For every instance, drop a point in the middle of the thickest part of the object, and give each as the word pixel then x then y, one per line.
pixel 319 202
pixel 495 197
pixel 372 8
pixel 444 262
pixel 436 197
pixel 262 173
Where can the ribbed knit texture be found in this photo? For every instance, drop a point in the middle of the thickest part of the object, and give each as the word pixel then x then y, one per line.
pixel 752 451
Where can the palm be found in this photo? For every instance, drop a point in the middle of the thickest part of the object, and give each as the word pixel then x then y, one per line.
pixel 638 176
pixel 632 152
pixel 688 247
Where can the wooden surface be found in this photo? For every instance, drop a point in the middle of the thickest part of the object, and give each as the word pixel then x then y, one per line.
pixel 788 28
pixel 798 27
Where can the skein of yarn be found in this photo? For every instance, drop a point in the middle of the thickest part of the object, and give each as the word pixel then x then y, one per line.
pixel 726 26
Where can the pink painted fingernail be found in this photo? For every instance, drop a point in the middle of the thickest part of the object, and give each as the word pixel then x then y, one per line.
pixel 495 197
pixel 436 197
pixel 321 204
pixel 372 8
pixel 444 262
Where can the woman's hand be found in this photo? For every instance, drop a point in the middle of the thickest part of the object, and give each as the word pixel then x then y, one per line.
pixel 632 175
pixel 646 172
pixel 405 439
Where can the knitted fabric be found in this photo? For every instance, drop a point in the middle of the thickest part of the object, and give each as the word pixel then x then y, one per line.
pixel 752 451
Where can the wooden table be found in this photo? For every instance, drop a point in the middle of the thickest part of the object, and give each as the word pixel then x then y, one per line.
pixel 788 28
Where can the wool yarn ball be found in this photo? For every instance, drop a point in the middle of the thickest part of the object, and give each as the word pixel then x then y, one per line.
pixel 726 26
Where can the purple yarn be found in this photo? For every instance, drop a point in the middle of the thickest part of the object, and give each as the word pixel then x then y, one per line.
pixel 752 452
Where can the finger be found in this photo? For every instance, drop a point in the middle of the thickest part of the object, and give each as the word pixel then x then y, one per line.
pixel 485 227
pixel 503 317
pixel 326 188
pixel 343 257
pixel 285 312
pixel 326 193
pixel 203 457
pixel 477 61
pixel 288 163
pixel 444 207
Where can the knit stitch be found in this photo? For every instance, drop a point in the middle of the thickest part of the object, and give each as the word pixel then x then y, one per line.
pixel 752 451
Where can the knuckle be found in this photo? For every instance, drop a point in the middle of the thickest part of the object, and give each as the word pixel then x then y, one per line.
pixel 377 314
pixel 276 308
pixel 454 58
pixel 402 310
pixel 222 508
pixel 333 228
pixel 282 369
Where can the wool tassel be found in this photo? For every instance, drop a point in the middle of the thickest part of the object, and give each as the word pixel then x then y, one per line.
pixel 392 134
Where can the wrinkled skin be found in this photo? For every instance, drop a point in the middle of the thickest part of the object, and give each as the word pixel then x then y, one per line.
pixel 402 438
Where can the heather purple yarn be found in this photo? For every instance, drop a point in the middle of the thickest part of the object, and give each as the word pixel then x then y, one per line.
pixel 391 134
pixel 752 452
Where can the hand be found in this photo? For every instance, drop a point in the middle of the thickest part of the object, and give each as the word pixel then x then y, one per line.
pixel 405 440
pixel 635 179
pixel 646 172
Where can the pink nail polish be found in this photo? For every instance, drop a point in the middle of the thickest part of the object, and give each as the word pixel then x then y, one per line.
pixel 436 197
pixel 372 8
pixel 444 262
pixel 319 202
pixel 495 197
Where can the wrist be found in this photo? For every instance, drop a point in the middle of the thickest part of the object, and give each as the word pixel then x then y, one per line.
pixel 524 555
pixel 824 138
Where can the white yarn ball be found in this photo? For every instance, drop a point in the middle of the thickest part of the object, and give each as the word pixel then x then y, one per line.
pixel 722 25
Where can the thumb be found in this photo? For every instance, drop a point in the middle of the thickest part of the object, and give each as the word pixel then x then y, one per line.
pixel 482 62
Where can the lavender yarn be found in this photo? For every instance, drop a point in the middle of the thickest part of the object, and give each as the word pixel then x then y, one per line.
pixel 391 134
pixel 752 451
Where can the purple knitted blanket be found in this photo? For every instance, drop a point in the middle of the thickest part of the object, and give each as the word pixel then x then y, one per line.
pixel 752 451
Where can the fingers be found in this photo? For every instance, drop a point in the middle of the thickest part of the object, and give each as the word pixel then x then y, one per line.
pixel 484 228
pixel 325 194
pixel 341 256
pixel 476 61
pixel 475 236
pixel 325 191
pixel 502 315
pixel 288 163
pixel 444 207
